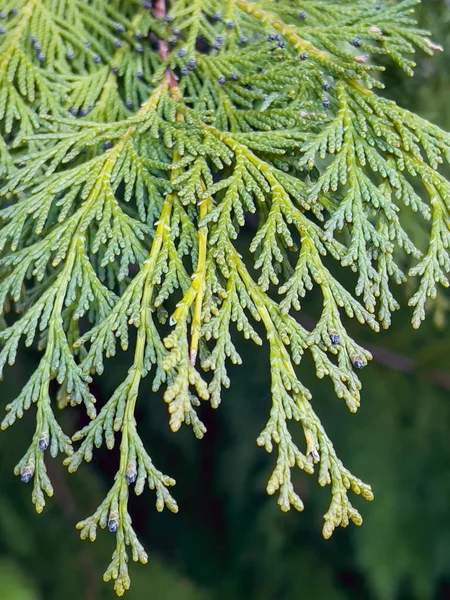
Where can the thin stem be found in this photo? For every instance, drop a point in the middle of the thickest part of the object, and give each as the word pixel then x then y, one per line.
pixel 288 31
pixel 198 282
pixel 160 12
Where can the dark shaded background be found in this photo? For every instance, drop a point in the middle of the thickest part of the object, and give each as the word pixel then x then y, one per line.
pixel 229 540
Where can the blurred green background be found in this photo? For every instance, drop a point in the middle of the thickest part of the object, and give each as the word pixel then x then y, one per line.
pixel 229 540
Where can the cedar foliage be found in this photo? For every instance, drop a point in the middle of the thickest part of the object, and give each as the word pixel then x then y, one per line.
pixel 137 140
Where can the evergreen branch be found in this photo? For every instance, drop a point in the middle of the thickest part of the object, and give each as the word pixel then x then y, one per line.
pixel 135 464
pixel 114 217
pixel 319 446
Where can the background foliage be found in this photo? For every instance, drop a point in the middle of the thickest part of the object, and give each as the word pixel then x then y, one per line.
pixel 229 540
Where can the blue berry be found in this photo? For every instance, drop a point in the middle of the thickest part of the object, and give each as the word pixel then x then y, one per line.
pixel 217 42
pixel 43 443
pixel 97 59
pixel 221 80
pixel 302 15
pixel 131 475
pixel 358 362
pixel 334 338
pixel 120 28
pixel 113 525
pixel 27 474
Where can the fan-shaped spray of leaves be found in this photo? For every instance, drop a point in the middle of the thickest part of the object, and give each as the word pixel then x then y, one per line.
pixel 136 141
